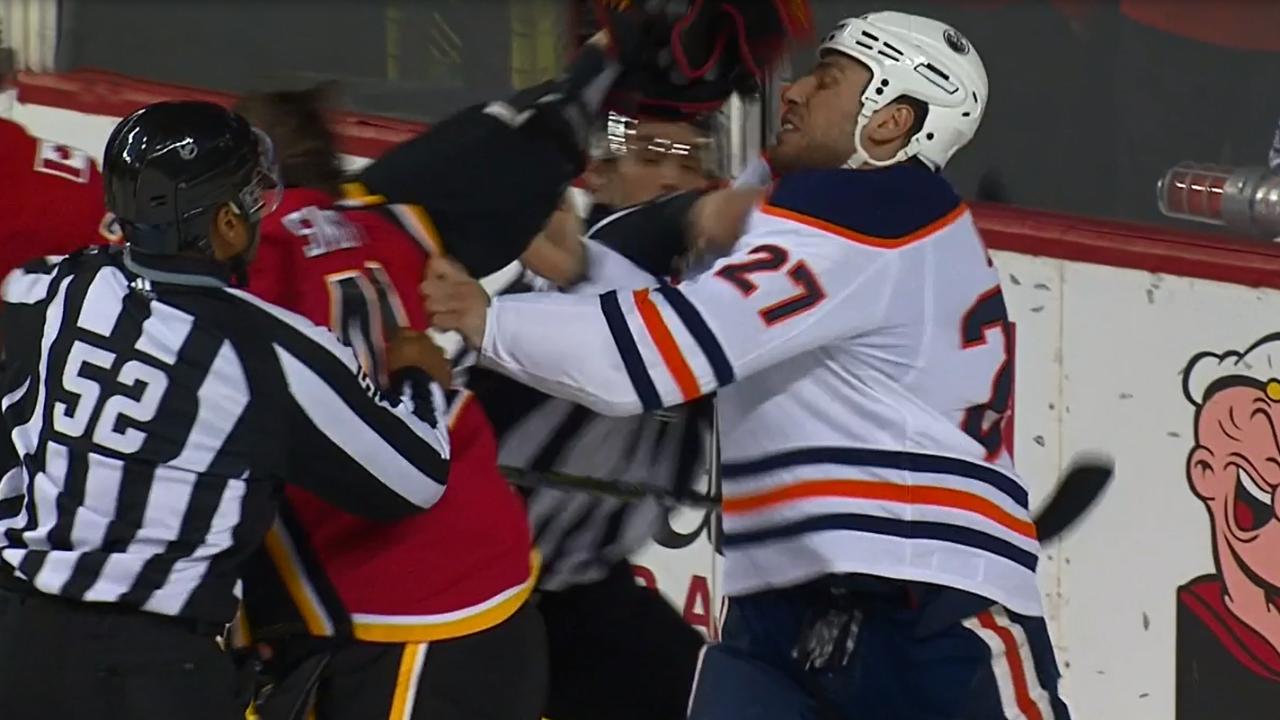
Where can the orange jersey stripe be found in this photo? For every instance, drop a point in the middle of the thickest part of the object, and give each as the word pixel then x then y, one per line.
pixel 1018 672
pixel 667 347
pixel 891 492
pixel 861 239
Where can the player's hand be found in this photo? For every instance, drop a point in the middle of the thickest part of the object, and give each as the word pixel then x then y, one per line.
pixel 718 219
pixel 455 300
pixel 410 348
pixel 557 253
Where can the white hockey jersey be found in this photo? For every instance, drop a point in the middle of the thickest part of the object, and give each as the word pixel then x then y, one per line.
pixel 857 341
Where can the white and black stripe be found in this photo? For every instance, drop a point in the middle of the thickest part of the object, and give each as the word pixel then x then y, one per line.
pixel 151 423
pixel 581 535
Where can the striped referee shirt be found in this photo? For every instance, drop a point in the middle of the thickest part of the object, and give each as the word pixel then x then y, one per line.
pixel 152 411
pixel 582 535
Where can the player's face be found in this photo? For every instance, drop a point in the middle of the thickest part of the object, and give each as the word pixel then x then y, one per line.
pixel 820 114
pixel 663 158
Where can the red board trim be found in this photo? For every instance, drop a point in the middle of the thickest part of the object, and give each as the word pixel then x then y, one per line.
pixel 97 92
pixel 1030 232
pixel 1155 249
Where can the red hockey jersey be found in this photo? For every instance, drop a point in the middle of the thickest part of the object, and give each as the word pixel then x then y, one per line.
pixel 461 567
pixel 53 200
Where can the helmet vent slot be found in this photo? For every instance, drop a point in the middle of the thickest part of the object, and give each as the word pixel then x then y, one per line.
pixel 934 68
pixel 938 78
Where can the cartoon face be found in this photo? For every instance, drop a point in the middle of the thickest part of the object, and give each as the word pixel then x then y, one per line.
pixel 1235 470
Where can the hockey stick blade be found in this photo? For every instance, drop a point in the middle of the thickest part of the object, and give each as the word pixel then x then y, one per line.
pixel 1078 490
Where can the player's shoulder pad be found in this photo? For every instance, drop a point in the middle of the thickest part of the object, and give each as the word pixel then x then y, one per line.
pixel 888 203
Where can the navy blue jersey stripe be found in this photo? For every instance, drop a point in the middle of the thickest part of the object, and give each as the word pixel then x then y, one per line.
pixel 906 529
pixel 894 459
pixel 889 203
pixel 631 360
pixel 701 333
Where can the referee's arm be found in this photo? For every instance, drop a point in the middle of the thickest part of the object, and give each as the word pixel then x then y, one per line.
pixel 383 456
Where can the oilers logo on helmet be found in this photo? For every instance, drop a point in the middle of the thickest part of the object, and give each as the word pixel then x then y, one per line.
pixel 956 41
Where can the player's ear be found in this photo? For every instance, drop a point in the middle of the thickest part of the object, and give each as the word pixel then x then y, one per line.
pixel 891 123
pixel 230 234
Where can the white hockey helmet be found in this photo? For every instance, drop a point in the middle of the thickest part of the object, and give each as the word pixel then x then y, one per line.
pixel 923 59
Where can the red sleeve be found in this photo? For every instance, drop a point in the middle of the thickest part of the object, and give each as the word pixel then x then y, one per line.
pixel 55 205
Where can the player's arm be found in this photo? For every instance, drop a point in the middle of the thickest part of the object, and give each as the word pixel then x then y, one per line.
pixel 606 269
pixel 381 455
pixel 480 184
pixel 820 261
pixel 637 245
pixel 787 291
pixel 757 173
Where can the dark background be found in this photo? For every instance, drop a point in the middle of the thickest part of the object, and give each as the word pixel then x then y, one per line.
pixel 1089 104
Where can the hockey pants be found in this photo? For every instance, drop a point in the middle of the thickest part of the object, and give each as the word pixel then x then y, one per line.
pixel 987 666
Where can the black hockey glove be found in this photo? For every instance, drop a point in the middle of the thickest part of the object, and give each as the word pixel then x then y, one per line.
pixel 689 56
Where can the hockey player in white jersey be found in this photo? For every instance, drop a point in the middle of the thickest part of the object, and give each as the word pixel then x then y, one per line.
pixel 879 554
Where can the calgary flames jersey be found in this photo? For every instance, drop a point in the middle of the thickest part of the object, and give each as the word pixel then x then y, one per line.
pixel 459 568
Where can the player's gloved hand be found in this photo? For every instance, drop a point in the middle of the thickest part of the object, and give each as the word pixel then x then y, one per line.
pixel 455 300
pixel 410 348
pixel 691 55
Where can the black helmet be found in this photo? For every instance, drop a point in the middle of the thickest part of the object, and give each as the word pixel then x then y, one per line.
pixel 169 165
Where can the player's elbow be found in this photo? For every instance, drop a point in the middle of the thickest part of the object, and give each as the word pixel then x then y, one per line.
pixel 428 484
pixel 406 488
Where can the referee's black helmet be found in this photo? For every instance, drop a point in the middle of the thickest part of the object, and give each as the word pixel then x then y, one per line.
pixel 170 166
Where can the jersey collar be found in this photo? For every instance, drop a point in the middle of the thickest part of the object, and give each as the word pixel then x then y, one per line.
pixel 178 269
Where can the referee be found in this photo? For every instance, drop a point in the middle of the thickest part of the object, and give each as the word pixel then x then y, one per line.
pixel 152 411
pixel 587 590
